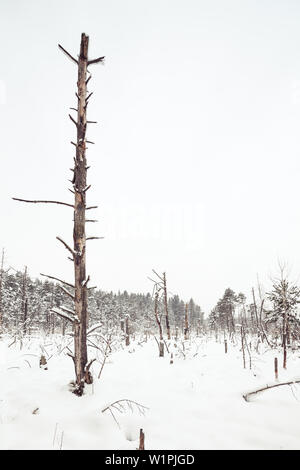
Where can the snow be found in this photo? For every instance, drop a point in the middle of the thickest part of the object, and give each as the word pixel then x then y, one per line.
pixel 194 403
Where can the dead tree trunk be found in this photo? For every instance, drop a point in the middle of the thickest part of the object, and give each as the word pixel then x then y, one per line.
pixel 256 313
pixel 158 321
pixel 186 322
pixel 142 440
pixel 276 368
pixel 78 317
pixel 243 346
pixel 166 305
pixel 24 301
pixel 79 236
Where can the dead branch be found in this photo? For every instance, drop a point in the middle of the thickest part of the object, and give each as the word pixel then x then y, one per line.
pixel 96 61
pixel 128 403
pixel 62 314
pixel 93 328
pixel 59 280
pixel 268 387
pixel 66 246
pixel 71 355
pixel 67 310
pixel 43 202
pixel 73 120
pixel 158 275
pixel 68 54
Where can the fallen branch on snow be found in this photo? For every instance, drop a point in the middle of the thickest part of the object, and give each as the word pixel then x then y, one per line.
pixel 268 387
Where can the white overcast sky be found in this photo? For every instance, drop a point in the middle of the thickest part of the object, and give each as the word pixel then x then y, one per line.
pixel 196 165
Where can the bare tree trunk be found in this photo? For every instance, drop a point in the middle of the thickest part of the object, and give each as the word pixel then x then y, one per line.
pixel 161 339
pixel 288 333
pixel 24 301
pixel 276 367
pixel 166 305
pixel 142 440
pixel 232 318
pixel 243 346
pixel 79 236
pixel 186 322
pixel 256 313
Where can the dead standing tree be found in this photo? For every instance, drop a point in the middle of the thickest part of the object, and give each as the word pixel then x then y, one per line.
pixel 24 301
pixel 161 285
pixel 78 316
pixel 158 320
pixel 166 305
pixel 186 322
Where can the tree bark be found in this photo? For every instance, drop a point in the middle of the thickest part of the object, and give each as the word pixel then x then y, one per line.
pixel 276 367
pixel 166 306
pixel 158 321
pixel 142 440
pixel 79 236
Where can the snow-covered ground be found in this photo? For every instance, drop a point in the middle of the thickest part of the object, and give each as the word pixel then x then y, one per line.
pixel 194 403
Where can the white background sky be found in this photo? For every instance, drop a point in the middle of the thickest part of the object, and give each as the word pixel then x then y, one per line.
pixel 196 164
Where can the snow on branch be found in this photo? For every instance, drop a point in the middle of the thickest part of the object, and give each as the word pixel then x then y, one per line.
pixel 67 292
pixel 65 315
pixel 93 328
pixel 67 310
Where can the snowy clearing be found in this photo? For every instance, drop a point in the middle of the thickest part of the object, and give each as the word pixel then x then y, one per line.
pixel 194 403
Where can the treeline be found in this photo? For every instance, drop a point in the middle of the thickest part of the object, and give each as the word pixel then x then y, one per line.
pixel 272 317
pixel 26 304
